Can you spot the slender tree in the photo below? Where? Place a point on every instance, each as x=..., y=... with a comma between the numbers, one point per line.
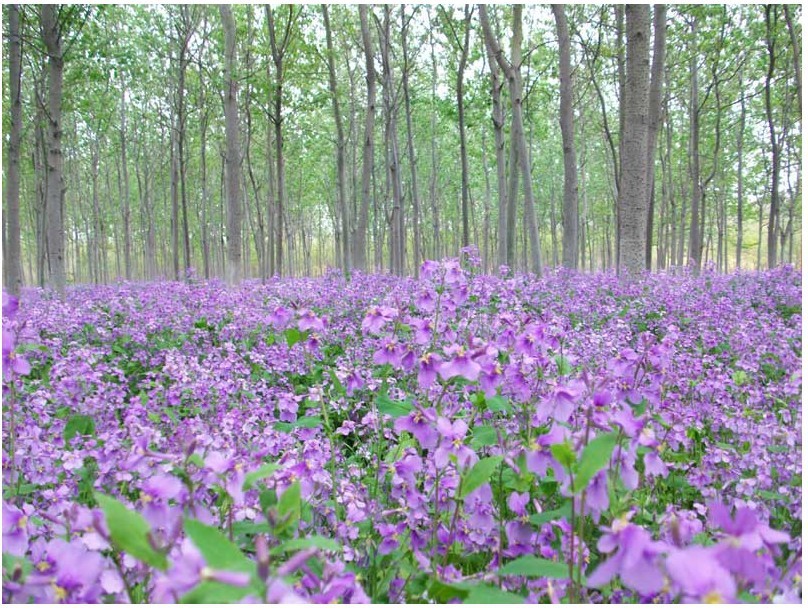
x=13, y=253
x=360, y=247
x=51, y=29
x=340, y=145
x=233, y=154
x=654, y=110
x=518, y=141
x=633, y=169
x=569, y=243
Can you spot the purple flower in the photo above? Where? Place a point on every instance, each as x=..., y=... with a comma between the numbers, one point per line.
x=389, y=353
x=309, y=321
x=10, y=305
x=428, y=365
x=15, y=529
x=280, y=317
x=698, y=576
x=377, y=317
x=460, y=365
x=491, y=378
x=452, y=437
x=634, y=560
x=421, y=425
x=558, y=406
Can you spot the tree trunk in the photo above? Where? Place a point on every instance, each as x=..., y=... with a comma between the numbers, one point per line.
x=498, y=119
x=234, y=212
x=795, y=56
x=774, y=208
x=394, y=168
x=340, y=145
x=654, y=109
x=633, y=169
x=52, y=37
x=569, y=242
x=518, y=140
x=416, y=204
x=695, y=244
x=360, y=250
x=13, y=253
x=739, y=210
x=279, y=49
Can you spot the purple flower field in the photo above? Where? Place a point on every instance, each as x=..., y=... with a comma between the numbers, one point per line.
x=577, y=438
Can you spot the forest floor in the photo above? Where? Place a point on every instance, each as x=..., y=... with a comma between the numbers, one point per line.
x=458, y=437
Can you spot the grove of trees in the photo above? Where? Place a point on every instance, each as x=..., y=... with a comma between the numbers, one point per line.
x=248, y=141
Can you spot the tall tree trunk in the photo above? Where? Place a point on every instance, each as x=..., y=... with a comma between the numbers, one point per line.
x=394, y=167
x=696, y=240
x=569, y=242
x=279, y=49
x=774, y=208
x=340, y=145
x=739, y=210
x=463, y=48
x=795, y=55
x=511, y=70
x=620, y=14
x=52, y=37
x=654, y=109
x=175, y=204
x=416, y=204
x=360, y=250
x=127, y=232
x=13, y=253
x=498, y=120
x=633, y=169
x=234, y=213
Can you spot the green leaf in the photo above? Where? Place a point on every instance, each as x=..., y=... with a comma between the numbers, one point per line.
x=564, y=454
x=218, y=551
x=263, y=472
x=594, y=458
x=297, y=544
x=79, y=425
x=211, y=592
x=498, y=403
x=129, y=531
x=534, y=567
x=294, y=336
x=302, y=422
x=549, y=515
x=564, y=366
x=740, y=378
x=478, y=474
x=484, y=436
x=488, y=594
x=289, y=505
x=393, y=408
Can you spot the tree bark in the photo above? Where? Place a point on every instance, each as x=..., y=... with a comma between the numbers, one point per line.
x=633, y=169
x=13, y=253
x=340, y=146
x=511, y=71
x=569, y=244
x=504, y=238
x=233, y=155
x=654, y=109
x=360, y=249
x=416, y=204
x=795, y=55
x=279, y=49
x=52, y=37
x=774, y=207
x=695, y=244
